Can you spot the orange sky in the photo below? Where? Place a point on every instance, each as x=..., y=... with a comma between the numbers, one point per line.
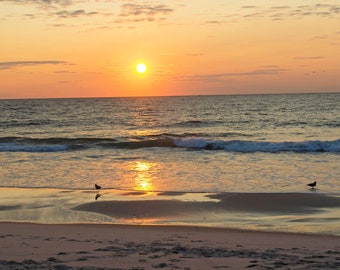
x=69, y=48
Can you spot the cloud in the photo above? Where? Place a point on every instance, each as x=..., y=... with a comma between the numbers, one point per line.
x=148, y=10
x=280, y=7
x=256, y=14
x=72, y=14
x=64, y=72
x=249, y=7
x=130, y=10
x=221, y=76
x=214, y=22
x=283, y=12
x=42, y=2
x=320, y=10
x=16, y=64
x=135, y=13
x=269, y=66
x=309, y=58
x=321, y=37
x=195, y=54
x=52, y=8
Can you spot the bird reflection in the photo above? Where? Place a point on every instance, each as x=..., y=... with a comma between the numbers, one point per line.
x=98, y=194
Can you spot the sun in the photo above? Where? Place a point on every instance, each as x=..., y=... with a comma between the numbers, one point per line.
x=141, y=68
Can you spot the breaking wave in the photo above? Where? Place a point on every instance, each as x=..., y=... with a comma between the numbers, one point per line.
x=256, y=146
x=21, y=144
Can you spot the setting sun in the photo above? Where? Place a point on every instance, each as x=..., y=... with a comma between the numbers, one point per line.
x=141, y=68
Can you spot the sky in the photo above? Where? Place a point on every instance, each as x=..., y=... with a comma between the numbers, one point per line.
x=78, y=48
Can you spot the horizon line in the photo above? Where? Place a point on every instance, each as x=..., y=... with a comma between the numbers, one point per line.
x=160, y=96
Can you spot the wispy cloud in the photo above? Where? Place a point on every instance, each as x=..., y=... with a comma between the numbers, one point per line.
x=64, y=72
x=320, y=10
x=284, y=12
x=125, y=11
x=16, y=64
x=249, y=7
x=52, y=8
x=42, y=3
x=137, y=10
x=309, y=58
x=280, y=7
x=74, y=13
x=214, y=22
x=221, y=76
x=131, y=12
x=320, y=37
x=194, y=54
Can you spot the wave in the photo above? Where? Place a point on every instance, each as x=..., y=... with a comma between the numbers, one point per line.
x=21, y=144
x=192, y=124
x=256, y=146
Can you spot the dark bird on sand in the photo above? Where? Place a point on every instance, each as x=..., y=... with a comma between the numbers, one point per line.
x=97, y=186
x=97, y=196
x=312, y=185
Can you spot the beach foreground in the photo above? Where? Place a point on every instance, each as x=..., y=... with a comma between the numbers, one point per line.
x=89, y=246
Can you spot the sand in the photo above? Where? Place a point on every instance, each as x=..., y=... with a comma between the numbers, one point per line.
x=73, y=230
x=106, y=246
x=282, y=203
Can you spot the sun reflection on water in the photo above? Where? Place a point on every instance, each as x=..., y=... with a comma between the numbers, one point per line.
x=144, y=180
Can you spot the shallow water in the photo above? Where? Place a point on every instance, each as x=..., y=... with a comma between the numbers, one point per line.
x=289, y=212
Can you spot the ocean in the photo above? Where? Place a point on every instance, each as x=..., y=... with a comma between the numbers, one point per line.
x=172, y=148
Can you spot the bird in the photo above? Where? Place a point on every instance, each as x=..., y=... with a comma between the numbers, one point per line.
x=312, y=185
x=97, y=186
x=97, y=196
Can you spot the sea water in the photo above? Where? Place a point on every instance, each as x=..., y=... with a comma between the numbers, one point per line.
x=189, y=144
x=258, y=143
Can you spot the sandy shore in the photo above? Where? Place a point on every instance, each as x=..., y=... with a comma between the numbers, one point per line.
x=85, y=246
x=282, y=203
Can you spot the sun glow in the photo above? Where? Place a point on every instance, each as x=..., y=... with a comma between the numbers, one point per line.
x=141, y=68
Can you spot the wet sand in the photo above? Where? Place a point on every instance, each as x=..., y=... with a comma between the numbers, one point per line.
x=281, y=203
x=87, y=246
x=312, y=213
x=83, y=233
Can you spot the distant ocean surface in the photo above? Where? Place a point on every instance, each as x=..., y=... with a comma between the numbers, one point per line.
x=192, y=144
x=257, y=143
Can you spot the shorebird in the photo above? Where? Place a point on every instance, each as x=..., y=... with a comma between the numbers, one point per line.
x=97, y=186
x=312, y=185
x=97, y=196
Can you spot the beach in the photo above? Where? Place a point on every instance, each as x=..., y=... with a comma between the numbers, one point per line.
x=191, y=135
x=197, y=182
x=64, y=229
x=85, y=246
x=307, y=213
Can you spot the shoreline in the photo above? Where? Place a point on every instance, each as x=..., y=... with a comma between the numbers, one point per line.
x=314, y=213
x=106, y=246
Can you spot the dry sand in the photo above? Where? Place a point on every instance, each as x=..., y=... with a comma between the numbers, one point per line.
x=87, y=246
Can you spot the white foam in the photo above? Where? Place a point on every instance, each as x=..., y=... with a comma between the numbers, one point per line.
x=256, y=146
x=13, y=147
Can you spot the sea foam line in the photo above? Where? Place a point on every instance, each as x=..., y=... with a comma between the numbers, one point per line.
x=256, y=146
x=242, y=146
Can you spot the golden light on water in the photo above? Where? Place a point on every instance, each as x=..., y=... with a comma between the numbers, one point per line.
x=144, y=180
